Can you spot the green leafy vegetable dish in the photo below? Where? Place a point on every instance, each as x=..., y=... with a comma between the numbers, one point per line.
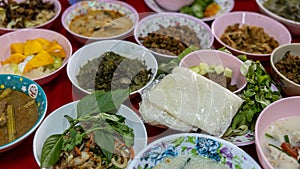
x=97, y=138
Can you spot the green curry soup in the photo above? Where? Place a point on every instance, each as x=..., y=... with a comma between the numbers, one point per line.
x=18, y=113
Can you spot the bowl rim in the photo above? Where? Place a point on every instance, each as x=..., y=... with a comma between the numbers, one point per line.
x=87, y=38
x=273, y=64
x=280, y=18
x=171, y=14
x=113, y=41
x=261, y=155
x=57, y=35
x=228, y=55
x=59, y=9
x=40, y=119
x=255, y=14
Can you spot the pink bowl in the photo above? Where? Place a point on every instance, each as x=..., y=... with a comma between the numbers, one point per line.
x=272, y=27
x=25, y=34
x=283, y=108
x=216, y=57
x=46, y=25
x=81, y=7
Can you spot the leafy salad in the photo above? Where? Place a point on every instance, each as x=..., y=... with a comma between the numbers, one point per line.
x=98, y=137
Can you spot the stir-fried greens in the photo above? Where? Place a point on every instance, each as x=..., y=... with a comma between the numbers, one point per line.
x=97, y=138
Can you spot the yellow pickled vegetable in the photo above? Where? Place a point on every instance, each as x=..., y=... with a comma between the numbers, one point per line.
x=32, y=47
x=43, y=41
x=43, y=58
x=54, y=48
x=17, y=48
x=14, y=58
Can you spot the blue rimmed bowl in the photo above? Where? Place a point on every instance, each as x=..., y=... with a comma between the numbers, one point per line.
x=193, y=144
x=32, y=89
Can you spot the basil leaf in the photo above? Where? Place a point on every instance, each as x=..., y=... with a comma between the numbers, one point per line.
x=51, y=150
x=106, y=141
x=100, y=101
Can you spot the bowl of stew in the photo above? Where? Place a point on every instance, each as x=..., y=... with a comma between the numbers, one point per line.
x=285, y=67
x=249, y=33
x=23, y=107
x=110, y=65
x=218, y=66
x=90, y=21
x=28, y=14
x=286, y=12
x=167, y=34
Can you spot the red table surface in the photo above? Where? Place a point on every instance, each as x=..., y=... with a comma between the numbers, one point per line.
x=59, y=92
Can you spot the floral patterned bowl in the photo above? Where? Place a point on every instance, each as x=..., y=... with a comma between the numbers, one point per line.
x=193, y=144
x=154, y=22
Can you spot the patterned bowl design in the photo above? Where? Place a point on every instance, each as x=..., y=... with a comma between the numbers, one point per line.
x=153, y=22
x=226, y=6
x=82, y=7
x=196, y=145
x=32, y=89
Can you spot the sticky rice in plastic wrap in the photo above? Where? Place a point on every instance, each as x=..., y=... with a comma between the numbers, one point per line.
x=184, y=100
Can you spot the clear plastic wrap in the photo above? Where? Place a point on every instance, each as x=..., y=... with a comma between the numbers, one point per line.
x=184, y=100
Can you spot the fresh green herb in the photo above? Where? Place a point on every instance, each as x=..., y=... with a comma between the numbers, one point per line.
x=286, y=139
x=257, y=95
x=95, y=113
x=269, y=135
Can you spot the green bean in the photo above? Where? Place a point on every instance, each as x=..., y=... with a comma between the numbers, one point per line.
x=11, y=123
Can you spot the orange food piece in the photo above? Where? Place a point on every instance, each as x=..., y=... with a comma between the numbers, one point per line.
x=43, y=58
x=43, y=41
x=14, y=58
x=17, y=47
x=54, y=48
x=288, y=149
x=32, y=47
x=212, y=9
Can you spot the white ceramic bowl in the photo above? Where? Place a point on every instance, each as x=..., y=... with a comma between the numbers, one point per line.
x=216, y=57
x=226, y=6
x=272, y=27
x=30, y=88
x=280, y=109
x=80, y=8
x=293, y=26
x=193, y=144
x=29, y=34
x=55, y=123
x=96, y=49
x=153, y=23
x=287, y=86
x=47, y=24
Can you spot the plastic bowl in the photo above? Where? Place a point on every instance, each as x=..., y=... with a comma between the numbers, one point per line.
x=28, y=34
